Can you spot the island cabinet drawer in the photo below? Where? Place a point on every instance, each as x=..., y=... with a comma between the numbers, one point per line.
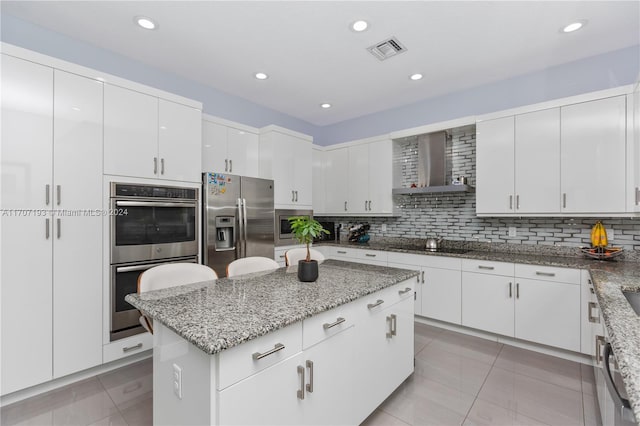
x=430, y=261
x=488, y=267
x=329, y=323
x=255, y=355
x=126, y=347
x=548, y=273
x=382, y=299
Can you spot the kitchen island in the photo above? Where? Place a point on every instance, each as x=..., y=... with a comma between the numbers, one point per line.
x=265, y=348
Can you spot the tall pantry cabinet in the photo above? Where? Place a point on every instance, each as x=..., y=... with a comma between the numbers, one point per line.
x=51, y=256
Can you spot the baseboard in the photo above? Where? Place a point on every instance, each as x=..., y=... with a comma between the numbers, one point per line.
x=71, y=378
x=549, y=350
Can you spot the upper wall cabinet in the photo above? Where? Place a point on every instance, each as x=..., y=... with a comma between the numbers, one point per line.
x=633, y=152
x=565, y=160
x=148, y=137
x=359, y=179
x=285, y=157
x=318, y=156
x=518, y=164
x=229, y=147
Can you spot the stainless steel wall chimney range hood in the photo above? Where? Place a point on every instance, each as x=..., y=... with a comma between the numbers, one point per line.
x=430, y=158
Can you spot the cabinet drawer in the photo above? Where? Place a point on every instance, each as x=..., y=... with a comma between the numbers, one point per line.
x=326, y=324
x=128, y=346
x=548, y=273
x=382, y=299
x=373, y=255
x=431, y=261
x=488, y=267
x=242, y=361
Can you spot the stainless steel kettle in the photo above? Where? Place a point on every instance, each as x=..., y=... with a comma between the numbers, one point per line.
x=433, y=243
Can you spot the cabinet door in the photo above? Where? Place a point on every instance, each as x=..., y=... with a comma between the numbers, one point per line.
x=330, y=400
x=26, y=298
x=495, y=166
x=633, y=145
x=282, y=168
x=337, y=181
x=593, y=142
x=214, y=147
x=130, y=133
x=418, y=288
x=318, y=176
x=537, y=162
x=77, y=274
x=243, y=152
x=442, y=295
x=179, y=141
x=487, y=302
x=381, y=176
x=271, y=394
x=302, y=173
x=548, y=312
x=358, y=178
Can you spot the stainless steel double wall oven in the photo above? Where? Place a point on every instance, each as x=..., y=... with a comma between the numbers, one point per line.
x=152, y=225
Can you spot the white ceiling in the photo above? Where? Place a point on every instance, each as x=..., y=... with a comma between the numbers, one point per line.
x=312, y=56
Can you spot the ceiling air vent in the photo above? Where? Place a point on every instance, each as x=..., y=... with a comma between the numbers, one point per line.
x=387, y=48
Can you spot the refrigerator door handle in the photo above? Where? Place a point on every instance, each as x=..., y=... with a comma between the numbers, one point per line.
x=244, y=226
x=240, y=237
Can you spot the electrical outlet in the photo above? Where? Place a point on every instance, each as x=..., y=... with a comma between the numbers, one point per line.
x=512, y=231
x=383, y=227
x=177, y=381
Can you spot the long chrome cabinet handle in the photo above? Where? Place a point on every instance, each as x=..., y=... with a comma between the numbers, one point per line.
x=510, y=290
x=341, y=252
x=293, y=196
x=296, y=196
x=345, y=206
x=276, y=348
x=373, y=305
x=637, y=196
x=510, y=202
x=162, y=166
x=369, y=205
x=594, y=319
x=46, y=229
x=338, y=321
x=365, y=206
x=490, y=268
x=599, y=344
x=422, y=277
x=132, y=348
x=58, y=231
x=300, y=392
x=47, y=187
x=517, y=202
x=392, y=325
x=58, y=193
x=230, y=166
x=155, y=165
x=310, y=384
x=406, y=290
x=564, y=200
x=226, y=165
x=370, y=255
x=517, y=290
x=545, y=274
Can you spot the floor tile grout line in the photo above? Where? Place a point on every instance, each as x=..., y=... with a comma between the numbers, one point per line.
x=483, y=382
x=111, y=398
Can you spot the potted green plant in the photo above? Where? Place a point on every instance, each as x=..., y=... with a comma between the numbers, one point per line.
x=304, y=229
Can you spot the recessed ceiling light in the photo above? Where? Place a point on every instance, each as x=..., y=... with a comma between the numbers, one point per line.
x=416, y=76
x=325, y=105
x=359, y=26
x=146, y=23
x=574, y=26
x=261, y=76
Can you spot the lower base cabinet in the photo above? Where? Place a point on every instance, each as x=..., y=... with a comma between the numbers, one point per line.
x=487, y=302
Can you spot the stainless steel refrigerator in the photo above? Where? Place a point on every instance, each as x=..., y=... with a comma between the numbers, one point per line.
x=237, y=217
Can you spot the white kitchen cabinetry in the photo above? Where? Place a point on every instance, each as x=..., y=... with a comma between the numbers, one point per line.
x=590, y=325
x=359, y=179
x=438, y=287
x=285, y=157
x=337, y=181
x=58, y=330
x=319, y=180
x=148, y=137
x=633, y=150
x=593, y=146
x=229, y=147
x=371, y=257
x=518, y=163
x=487, y=296
x=494, y=165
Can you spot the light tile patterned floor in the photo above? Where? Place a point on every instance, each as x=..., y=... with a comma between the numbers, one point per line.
x=458, y=379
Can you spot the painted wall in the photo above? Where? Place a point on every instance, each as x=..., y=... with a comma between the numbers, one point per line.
x=600, y=72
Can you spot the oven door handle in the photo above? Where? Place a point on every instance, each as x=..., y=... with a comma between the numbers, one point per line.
x=622, y=403
x=122, y=203
x=135, y=268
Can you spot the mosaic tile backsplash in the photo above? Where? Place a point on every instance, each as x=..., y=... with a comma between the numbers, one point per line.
x=452, y=215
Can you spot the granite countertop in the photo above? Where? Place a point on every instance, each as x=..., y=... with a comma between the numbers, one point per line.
x=608, y=277
x=217, y=315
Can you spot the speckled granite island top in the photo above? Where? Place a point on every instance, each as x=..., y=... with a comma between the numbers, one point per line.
x=218, y=315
